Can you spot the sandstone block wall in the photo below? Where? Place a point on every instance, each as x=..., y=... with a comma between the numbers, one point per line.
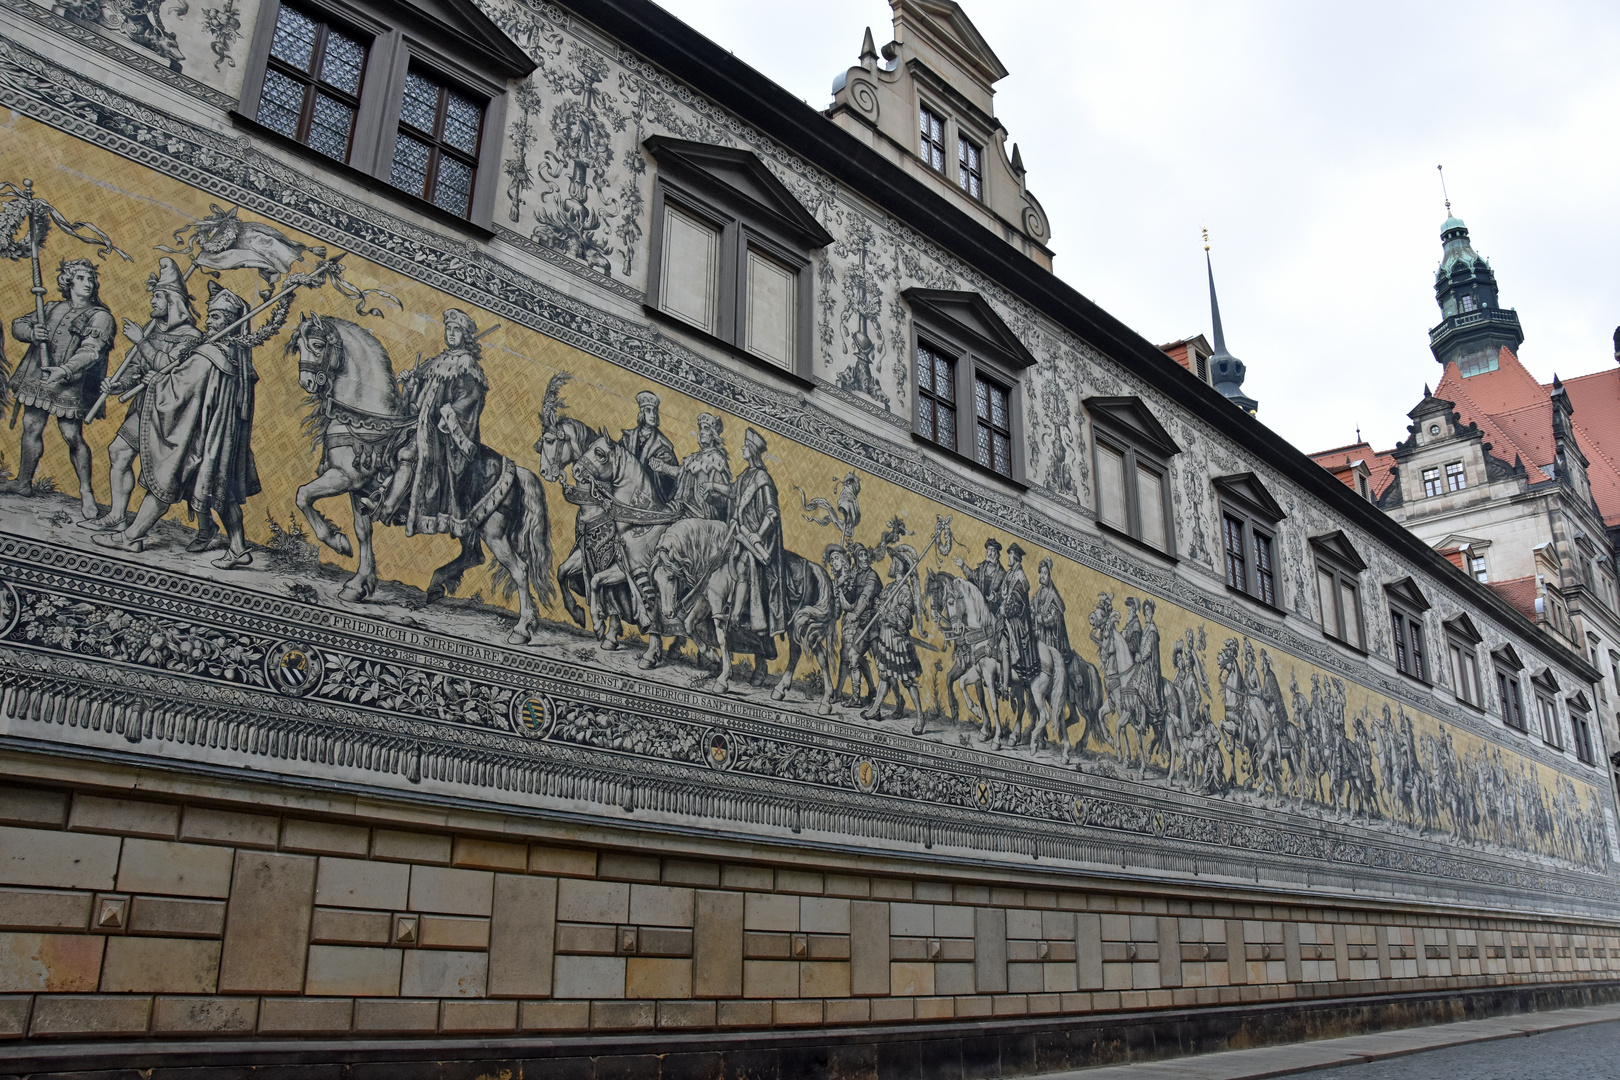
x=126, y=916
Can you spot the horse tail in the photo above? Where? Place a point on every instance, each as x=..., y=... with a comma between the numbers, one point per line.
x=533, y=540
x=812, y=624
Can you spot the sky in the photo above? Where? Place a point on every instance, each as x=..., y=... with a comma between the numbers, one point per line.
x=1305, y=137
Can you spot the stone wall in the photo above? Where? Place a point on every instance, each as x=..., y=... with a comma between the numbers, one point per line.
x=277, y=916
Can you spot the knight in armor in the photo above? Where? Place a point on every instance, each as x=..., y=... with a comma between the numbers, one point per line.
x=1016, y=627
x=704, y=484
x=986, y=577
x=196, y=432
x=435, y=482
x=858, y=590
x=61, y=373
x=168, y=337
x=653, y=449
x=897, y=663
x=759, y=600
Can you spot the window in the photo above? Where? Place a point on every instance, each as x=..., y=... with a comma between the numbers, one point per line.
x=1361, y=487
x=1456, y=480
x=1507, y=688
x=1133, y=452
x=1546, y=694
x=931, y=138
x=1338, y=588
x=1466, y=303
x=992, y=426
x=730, y=252
x=436, y=151
x=1462, y=643
x=1249, y=518
x=312, y=78
x=1408, y=638
x=969, y=171
x=968, y=389
x=936, y=397
x=1431, y=481
x=1476, y=566
x=1580, y=728
x=405, y=94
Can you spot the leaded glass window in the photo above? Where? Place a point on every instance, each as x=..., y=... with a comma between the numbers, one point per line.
x=992, y=426
x=1265, y=578
x=931, y=139
x=312, y=83
x=1237, y=574
x=436, y=153
x=1431, y=481
x=969, y=172
x=1456, y=479
x=936, y=397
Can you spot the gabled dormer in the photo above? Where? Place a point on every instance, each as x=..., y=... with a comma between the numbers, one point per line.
x=1441, y=457
x=928, y=103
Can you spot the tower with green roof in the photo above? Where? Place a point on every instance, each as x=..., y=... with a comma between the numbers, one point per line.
x=1474, y=327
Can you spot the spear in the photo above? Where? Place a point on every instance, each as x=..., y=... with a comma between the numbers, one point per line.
x=38, y=289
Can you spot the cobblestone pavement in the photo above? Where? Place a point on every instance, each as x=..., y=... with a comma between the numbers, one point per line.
x=1591, y=1052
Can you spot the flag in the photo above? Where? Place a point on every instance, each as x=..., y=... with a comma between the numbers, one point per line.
x=223, y=241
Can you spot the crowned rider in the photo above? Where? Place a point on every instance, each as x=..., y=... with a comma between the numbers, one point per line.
x=652, y=448
x=168, y=336
x=704, y=483
x=434, y=483
x=759, y=601
x=61, y=373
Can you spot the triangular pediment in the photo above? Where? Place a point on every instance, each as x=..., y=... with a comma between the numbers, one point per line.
x=1546, y=680
x=1128, y=415
x=1508, y=657
x=729, y=174
x=1407, y=592
x=1465, y=629
x=1579, y=702
x=948, y=27
x=1456, y=541
x=1335, y=545
x=969, y=314
x=1246, y=490
x=460, y=26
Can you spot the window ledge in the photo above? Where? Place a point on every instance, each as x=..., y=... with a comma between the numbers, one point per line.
x=1425, y=683
x=1335, y=639
x=955, y=455
x=1140, y=545
x=1270, y=609
x=730, y=348
x=360, y=176
x=1470, y=705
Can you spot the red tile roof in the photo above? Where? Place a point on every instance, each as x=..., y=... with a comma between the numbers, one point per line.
x=1340, y=458
x=1520, y=592
x=1596, y=399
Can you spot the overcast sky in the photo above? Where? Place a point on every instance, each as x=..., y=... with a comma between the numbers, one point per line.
x=1305, y=136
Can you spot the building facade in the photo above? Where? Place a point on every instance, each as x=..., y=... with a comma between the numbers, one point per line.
x=521, y=532
x=1514, y=481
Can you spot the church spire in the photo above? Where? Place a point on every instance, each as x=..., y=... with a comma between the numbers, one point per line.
x=1227, y=370
x=1474, y=328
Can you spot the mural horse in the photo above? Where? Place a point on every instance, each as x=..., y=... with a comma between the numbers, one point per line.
x=360, y=419
x=970, y=626
x=563, y=440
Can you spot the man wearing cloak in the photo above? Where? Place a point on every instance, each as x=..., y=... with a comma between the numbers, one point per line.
x=196, y=432
x=704, y=483
x=438, y=465
x=61, y=373
x=653, y=448
x=1017, y=638
x=759, y=601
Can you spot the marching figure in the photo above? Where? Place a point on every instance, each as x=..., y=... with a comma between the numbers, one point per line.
x=196, y=427
x=858, y=590
x=437, y=462
x=760, y=602
x=897, y=663
x=704, y=484
x=169, y=335
x=61, y=374
x=653, y=448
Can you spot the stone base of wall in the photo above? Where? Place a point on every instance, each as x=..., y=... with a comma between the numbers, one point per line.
x=948, y=1051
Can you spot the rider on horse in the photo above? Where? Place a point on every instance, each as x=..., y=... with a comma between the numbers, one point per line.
x=436, y=465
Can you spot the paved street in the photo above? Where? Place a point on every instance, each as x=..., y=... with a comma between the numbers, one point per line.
x=1567, y=1044
x=1581, y=1053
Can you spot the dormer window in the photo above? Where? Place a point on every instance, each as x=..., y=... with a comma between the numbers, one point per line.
x=969, y=172
x=1431, y=481
x=931, y=138
x=1456, y=479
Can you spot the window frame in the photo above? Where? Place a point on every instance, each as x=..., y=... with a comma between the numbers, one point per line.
x=437, y=145
x=963, y=327
x=734, y=193
x=963, y=171
x=1243, y=501
x=1456, y=475
x=1510, y=677
x=479, y=65
x=1411, y=645
x=1126, y=426
x=1462, y=644
x=1580, y=728
x=945, y=130
x=1546, y=691
x=1335, y=556
x=312, y=82
x=1433, y=483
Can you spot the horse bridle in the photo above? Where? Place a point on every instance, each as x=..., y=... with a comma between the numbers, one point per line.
x=320, y=370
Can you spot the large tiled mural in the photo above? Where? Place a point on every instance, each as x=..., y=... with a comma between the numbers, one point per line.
x=298, y=487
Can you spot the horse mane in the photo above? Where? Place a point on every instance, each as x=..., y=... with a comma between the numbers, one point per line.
x=553, y=402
